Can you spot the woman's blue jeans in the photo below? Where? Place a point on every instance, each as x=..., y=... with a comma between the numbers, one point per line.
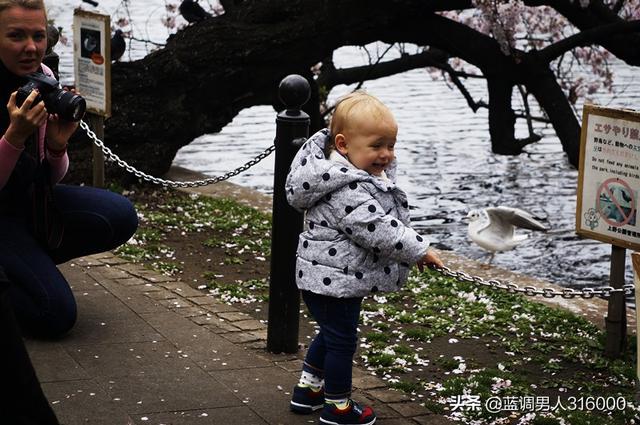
x=331, y=352
x=95, y=220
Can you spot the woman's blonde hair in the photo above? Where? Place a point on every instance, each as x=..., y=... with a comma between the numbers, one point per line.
x=27, y=4
x=353, y=105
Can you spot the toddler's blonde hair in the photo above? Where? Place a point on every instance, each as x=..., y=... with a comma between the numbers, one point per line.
x=356, y=104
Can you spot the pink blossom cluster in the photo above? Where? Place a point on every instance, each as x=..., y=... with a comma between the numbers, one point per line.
x=515, y=26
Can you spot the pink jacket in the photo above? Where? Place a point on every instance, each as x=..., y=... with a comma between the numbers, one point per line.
x=9, y=154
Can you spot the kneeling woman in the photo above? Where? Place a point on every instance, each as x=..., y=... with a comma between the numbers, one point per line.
x=33, y=159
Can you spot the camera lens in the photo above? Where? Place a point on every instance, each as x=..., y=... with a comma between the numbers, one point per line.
x=67, y=105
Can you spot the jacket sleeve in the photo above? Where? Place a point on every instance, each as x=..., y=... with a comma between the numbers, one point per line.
x=365, y=222
x=59, y=167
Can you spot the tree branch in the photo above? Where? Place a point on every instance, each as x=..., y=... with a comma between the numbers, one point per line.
x=588, y=37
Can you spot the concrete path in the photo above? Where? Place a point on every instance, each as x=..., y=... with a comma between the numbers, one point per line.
x=151, y=350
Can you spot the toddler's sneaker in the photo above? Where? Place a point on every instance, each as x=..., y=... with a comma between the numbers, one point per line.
x=353, y=414
x=305, y=400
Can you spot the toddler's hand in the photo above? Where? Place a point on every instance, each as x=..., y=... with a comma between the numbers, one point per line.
x=430, y=259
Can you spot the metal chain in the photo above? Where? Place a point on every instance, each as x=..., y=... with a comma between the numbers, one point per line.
x=604, y=291
x=110, y=156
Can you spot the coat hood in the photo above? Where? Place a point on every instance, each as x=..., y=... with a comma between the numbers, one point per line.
x=313, y=176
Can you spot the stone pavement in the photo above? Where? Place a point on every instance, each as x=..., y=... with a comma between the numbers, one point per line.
x=148, y=349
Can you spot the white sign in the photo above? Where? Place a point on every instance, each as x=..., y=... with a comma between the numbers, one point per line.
x=609, y=179
x=92, y=60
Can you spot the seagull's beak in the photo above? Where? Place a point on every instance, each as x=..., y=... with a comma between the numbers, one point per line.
x=465, y=219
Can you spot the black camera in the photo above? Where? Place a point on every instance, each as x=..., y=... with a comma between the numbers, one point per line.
x=67, y=105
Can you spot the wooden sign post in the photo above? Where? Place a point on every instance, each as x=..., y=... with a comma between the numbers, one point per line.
x=92, y=62
x=607, y=204
x=635, y=259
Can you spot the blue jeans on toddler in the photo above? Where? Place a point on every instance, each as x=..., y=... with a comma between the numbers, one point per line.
x=330, y=355
x=95, y=220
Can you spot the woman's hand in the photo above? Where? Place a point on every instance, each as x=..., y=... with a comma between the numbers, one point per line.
x=430, y=259
x=24, y=120
x=59, y=131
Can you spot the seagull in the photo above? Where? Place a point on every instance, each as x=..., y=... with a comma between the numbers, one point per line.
x=493, y=228
x=192, y=11
x=118, y=45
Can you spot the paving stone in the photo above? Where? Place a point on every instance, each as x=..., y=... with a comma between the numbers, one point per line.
x=209, y=350
x=191, y=311
x=248, y=325
x=177, y=304
x=240, y=337
x=291, y=365
x=105, y=272
x=220, y=327
x=149, y=275
x=52, y=362
x=218, y=307
x=162, y=294
x=135, y=300
x=366, y=381
x=260, y=333
x=256, y=345
x=234, y=316
x=432, y=420
x=394, y=421
x=171, y=390
x=132, y=281
x=112, y=260
x=229, y=415
x=149, y=287
x=266, y=391
x=409, y=409
x=182, y=289
x=93, y=330
x=83, y=402
x=101, y=305
x=206, y=300
x=208, y=319
x=135, y=359
x=387, y=395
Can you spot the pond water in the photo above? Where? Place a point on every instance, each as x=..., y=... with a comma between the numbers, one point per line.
x=444, y=157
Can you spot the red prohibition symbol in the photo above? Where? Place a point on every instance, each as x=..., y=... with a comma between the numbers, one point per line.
x=612, y=194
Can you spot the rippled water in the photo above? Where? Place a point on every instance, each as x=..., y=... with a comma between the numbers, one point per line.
x=445, y=162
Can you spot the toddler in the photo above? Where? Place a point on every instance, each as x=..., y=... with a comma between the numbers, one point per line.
x=357, y=241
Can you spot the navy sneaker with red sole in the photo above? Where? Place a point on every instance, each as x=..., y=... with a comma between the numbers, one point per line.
x=305, y=400
x=353, y=414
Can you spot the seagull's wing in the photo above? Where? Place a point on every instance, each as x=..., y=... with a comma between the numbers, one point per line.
x=516, y=217
x=499, y=227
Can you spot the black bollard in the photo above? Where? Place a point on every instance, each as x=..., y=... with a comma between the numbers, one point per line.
x=292, y=128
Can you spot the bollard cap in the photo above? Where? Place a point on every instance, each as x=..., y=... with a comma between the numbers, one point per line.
x=294, y=91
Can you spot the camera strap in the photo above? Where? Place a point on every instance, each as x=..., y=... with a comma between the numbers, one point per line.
x=46, y=219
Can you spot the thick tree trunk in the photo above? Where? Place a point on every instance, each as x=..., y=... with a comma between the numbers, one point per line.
x=541, y=82
x=501, y=117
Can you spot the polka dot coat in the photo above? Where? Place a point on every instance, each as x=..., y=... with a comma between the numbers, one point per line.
x=357, y=239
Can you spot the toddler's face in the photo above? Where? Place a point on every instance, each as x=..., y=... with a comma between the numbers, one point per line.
x=369, y=143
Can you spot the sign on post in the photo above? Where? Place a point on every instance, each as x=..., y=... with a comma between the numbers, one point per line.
x=92, y=60
x=92, y=69
x=609, y=177
x=607, y=205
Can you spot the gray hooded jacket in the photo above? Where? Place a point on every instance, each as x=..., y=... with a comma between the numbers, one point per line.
x=357, y=238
